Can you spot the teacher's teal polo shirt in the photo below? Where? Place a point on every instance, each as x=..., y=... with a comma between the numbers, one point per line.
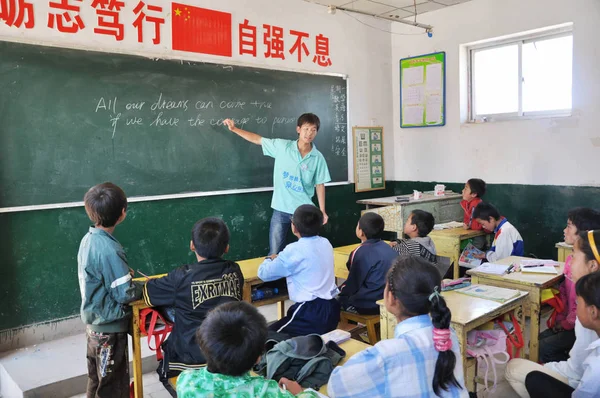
x=294, y=177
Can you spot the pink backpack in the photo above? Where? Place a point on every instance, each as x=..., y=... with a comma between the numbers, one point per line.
x=489, y=347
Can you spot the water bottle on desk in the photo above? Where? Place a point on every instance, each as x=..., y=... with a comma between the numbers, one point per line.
x=264, y=293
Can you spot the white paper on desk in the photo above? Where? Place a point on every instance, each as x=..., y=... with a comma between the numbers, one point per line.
x=491, y=268
x=433, y=112
x=412, y=115
x=434, y=77
x=525, y=263
x=539, y=270
x=412, y=76
x=448, y=225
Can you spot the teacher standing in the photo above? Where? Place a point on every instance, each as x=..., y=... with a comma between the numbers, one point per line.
x=299, y=169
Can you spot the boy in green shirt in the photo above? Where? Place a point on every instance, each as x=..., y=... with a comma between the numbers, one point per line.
x=232, y=338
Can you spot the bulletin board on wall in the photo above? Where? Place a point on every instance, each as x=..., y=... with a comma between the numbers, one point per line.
x=369, y=173
x=423, y=91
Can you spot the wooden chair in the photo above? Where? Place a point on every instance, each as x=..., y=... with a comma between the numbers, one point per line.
x=370, y=321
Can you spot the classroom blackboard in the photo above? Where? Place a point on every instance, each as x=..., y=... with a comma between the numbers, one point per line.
x=70, y=119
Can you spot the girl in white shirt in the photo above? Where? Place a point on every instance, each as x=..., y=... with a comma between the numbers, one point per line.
x=588, y=312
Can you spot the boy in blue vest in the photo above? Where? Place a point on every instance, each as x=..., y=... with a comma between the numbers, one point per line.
x=368, y=265
x=106, y=289
x=307, y=266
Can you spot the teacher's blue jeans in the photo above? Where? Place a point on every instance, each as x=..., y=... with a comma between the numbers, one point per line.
x=280, y=225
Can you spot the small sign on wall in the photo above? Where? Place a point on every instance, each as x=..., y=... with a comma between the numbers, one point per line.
x=368, y=158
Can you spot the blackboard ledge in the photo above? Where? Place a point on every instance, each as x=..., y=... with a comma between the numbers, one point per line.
x=134, y=199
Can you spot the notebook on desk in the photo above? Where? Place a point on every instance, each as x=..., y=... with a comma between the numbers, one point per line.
x=491, y=268
x=539, y=270
x=494, y=293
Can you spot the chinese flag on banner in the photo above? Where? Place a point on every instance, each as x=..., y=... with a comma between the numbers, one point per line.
x=201, y=30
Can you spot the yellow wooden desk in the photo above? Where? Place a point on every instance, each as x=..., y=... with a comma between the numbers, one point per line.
x=350, y=346
x=447, y=243
x=564, y=250
x=468, y=313
x=532, y=283
x=249, y=269
x=340, y=258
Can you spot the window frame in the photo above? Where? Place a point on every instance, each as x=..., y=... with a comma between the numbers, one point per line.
x=519, y=41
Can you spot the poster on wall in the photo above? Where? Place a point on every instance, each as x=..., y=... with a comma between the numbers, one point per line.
x=423, y=91
x=368, y=159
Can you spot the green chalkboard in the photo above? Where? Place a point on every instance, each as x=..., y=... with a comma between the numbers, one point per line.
x=70, y=119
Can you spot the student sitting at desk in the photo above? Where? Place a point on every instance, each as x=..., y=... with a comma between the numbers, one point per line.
x=586, y=260
x=232, y=337
x=556, y=342
x=507, y=240
x=418, y=225
x=194, y=290
x=368, y=265
x=542, y=385
x=471, y=194
x=307, y=266
x=422, y=360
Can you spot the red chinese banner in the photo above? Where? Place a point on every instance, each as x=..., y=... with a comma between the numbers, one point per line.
x=201, y=30
x=13, y=13
x=67, y=19
x=108, y=18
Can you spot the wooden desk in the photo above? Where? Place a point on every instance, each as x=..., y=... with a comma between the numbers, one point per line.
x=350, y=346
x=249, y=269
x=532, y=283
x=447, y=243
x=564, y=251
x=468, y=313
x=444, y=209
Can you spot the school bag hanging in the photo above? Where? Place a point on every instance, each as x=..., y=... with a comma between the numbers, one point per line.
x=488, y=347
x=155, y=325
x=552, y=298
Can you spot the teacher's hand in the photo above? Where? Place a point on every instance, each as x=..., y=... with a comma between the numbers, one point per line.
x=229, y=123
x=325, y=217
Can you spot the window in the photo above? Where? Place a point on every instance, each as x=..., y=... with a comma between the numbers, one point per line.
x=529, y=76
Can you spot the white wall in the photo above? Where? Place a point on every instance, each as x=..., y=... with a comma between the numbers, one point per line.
x=360, y=52
x=561, y=151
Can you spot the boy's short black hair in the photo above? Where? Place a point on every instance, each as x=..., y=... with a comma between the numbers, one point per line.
x=210, y=237
x=484, y=211
x=372, y=225
x=477, y=186
x=104, y=204
x=588, y=288
x=308, y=220
x=309, y=118
x=423, y=220
x=232, y=337
x=584, y=218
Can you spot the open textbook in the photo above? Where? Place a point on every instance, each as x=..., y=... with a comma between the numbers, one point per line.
x=467, y=259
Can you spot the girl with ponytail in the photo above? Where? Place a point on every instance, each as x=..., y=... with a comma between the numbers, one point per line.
x=423, y=358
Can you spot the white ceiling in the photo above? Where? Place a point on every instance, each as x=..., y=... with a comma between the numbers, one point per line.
x=391, y=8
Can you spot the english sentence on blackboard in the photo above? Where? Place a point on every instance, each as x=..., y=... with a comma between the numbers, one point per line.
x=163, y=104
x=163, y=118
